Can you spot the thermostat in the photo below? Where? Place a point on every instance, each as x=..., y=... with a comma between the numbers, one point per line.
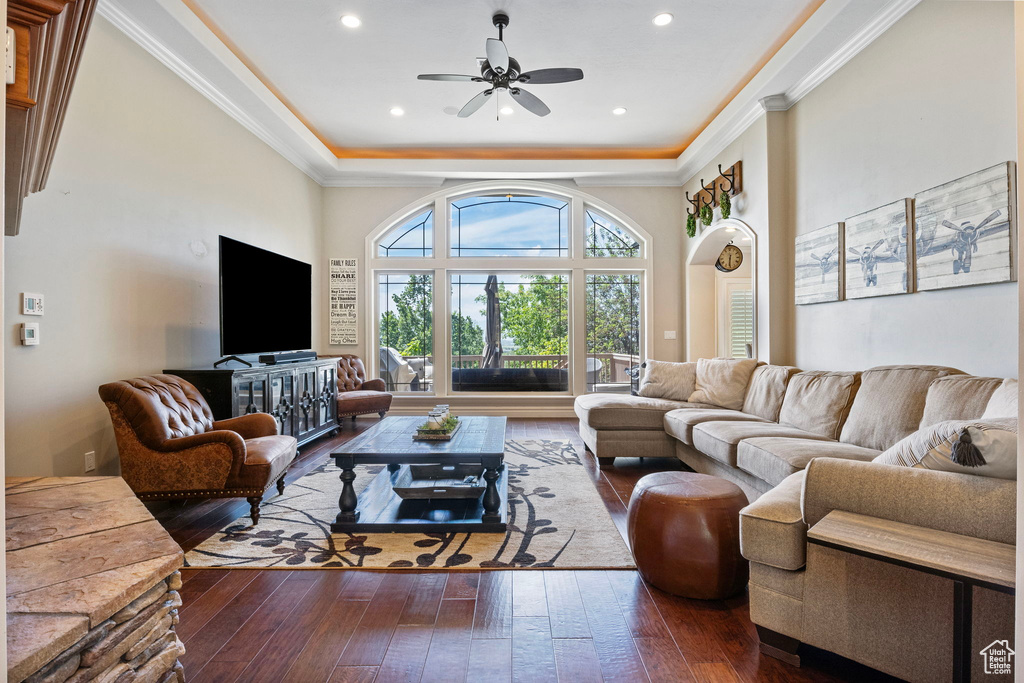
x=31, y=304
x=30, y=334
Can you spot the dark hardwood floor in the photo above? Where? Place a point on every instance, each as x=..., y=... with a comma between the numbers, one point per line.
x=359, y=625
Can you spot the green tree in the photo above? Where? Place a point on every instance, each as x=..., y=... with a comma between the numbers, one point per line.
x=535, y=315
x=613, y=317
x=467, y=336
x=410, y=328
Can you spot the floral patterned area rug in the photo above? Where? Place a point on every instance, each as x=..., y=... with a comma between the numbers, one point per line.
x=556, y=520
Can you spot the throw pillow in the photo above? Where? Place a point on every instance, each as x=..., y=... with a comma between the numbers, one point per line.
x=723, y=382
x=662, y=379
x=987, y=448
x=1003, y=403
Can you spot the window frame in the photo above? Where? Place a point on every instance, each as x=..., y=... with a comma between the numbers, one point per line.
x=442, y=265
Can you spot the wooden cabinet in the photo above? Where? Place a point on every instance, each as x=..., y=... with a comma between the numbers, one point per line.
x=302, y=397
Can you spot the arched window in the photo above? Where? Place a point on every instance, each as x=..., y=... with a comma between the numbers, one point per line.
x=504, y=277
x=414, y=237
x=607, y=239
x=509, y=225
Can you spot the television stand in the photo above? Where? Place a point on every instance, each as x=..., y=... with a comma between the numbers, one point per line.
x=302, y=397
x=228, y=359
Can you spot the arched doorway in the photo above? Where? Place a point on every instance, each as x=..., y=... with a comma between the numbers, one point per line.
x=721, y=308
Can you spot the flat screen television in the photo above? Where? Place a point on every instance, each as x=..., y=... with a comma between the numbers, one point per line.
x=265, y=301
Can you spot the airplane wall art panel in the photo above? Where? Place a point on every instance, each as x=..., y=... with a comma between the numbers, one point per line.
x=965, y=230
x=878, y=260
x=819, y=265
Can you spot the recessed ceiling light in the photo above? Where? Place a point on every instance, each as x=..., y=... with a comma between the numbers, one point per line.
x=619, y=111
x=730, y=229
x=353, y=21
x=507, y=111
x=663, y=19
x=397, y=111
x=746, y=239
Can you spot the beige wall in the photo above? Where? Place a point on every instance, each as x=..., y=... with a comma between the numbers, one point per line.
x=146, y=170
x=350, y=214
x=931, y=100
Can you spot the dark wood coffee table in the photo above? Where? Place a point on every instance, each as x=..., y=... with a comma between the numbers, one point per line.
x=479, y=440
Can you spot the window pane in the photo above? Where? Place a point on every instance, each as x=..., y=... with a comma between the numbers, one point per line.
x=510, y=332
x=613, y=332
x=607, y=239
x=510, y=225
x=406, y=331
x=415, y=237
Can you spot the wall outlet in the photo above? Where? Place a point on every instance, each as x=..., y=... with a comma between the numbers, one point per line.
x=670, y=334
x=90, y=461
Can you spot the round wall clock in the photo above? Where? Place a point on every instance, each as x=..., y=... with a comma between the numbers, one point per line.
x=730, y=259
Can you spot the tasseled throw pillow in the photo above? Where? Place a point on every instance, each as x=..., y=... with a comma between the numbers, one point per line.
x=986, y=448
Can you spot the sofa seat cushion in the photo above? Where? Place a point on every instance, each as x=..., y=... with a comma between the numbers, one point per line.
x=772, y=459
x=618, y=411
x=266, y=459
x=719, y=440
x=680, y=423
x=361, y=402
x=772, y=529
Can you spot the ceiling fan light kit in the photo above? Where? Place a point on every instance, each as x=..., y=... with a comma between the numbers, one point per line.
x=501, y=72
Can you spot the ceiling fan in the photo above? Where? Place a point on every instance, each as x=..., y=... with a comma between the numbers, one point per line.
x=502, y=72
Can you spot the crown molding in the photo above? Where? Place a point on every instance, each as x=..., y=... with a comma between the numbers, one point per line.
x=794, y=71
x=870, y=32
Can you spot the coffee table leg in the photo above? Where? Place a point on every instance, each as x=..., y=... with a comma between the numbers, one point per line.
x=348, y=500
x=492, y=501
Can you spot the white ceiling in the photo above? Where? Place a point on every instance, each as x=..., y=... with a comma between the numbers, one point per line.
x=176, y=36
x=343, y=82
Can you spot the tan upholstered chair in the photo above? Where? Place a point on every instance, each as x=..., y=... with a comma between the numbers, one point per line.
x=356, y=394
x=172, y=448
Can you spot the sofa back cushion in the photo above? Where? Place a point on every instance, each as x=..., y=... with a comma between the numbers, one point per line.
x=767, y=390
x=818, y=401
x=957, y=397
x=723, y=381
x=672, y=381
x=890, y=404
x=1003, y=402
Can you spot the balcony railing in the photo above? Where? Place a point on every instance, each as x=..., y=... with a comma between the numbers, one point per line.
x=612, y=367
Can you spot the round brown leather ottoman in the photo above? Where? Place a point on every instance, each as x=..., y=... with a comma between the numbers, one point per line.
x=684, y=530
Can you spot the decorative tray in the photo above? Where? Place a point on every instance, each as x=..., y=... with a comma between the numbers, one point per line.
x=421, y=482
x=438, y=434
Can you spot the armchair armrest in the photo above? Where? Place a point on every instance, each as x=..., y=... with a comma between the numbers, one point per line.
x=249, y=426
x=374, y=385
x=980, y=507
x=229, y=438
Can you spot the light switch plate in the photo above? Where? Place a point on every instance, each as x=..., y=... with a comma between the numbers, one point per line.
x=670, y=334
x=31, y=304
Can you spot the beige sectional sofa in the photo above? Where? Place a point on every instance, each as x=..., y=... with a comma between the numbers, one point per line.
x=802, y=446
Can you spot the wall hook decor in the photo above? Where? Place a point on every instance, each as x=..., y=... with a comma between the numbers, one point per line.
x=729, y=175
x=695, y=203
x=711, y=190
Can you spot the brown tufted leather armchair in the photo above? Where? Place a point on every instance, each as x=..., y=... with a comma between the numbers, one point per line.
x=171, y=447
x=356, y=394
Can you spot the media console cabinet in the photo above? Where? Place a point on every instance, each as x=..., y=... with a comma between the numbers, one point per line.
x=302, y=396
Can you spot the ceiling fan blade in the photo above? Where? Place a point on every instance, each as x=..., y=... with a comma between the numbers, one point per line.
x=497, y=55
x=475, y=104
x=529, y=101
x=448, y=77
x=544, y=76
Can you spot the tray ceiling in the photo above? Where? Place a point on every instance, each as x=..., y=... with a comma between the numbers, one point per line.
x=342, y=82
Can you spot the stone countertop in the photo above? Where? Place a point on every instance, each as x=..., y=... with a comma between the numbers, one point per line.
x=78, y=550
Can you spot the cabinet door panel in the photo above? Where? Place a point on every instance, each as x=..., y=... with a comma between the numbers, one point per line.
x=250, y=394
x=282, y=400
x=305, y=400
x=327, y=405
